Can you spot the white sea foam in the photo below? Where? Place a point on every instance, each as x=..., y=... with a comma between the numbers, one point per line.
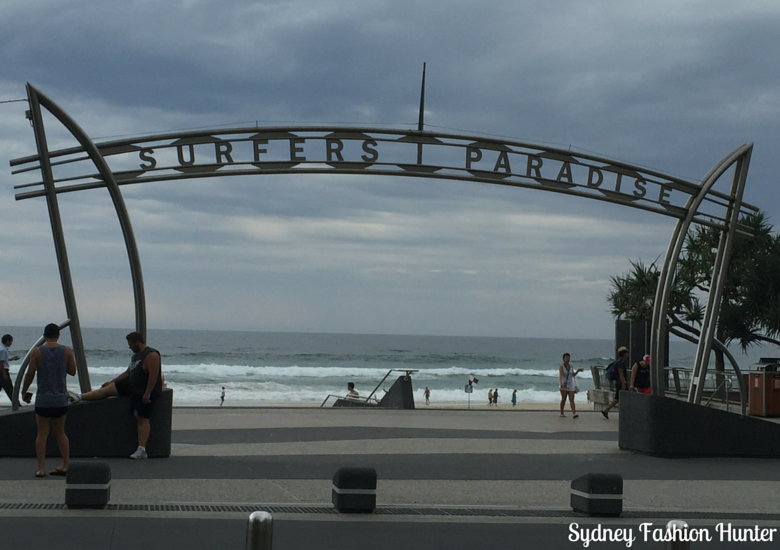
x=217, y=371
x=201, y=384
x=269, y=393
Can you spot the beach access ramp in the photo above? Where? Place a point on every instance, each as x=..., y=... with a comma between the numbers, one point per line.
x=399, y=396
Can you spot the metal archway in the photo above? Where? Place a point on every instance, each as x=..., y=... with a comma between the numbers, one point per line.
x=388, y=152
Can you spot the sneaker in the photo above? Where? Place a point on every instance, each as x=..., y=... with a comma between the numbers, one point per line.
x=139, y=454
x=605, y=414
x=73, y=397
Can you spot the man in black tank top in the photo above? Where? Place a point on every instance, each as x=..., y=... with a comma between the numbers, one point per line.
x=640, y=376
x=142, y=382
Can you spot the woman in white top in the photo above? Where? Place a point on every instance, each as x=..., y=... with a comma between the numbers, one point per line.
x=566, y=374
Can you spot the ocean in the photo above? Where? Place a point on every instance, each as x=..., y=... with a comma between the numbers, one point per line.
x=280, y=368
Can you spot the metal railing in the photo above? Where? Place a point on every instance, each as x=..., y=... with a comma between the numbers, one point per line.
x=371, y=397
x=366, y=400
x=721, y=386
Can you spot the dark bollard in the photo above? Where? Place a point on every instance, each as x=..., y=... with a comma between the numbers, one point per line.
x=88, y=484
x=598, y=494
x=354, y=490
x=260, y=531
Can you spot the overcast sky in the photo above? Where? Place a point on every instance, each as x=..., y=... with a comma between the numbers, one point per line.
x=672, y=85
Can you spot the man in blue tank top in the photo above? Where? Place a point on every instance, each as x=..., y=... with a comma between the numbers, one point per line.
x=142, y=382
x=51, y=362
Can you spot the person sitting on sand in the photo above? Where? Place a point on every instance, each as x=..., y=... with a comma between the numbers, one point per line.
x=352, y=393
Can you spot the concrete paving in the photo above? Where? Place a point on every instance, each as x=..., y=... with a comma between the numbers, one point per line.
x=447, y=479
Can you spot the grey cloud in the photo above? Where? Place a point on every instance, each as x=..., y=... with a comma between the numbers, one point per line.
x=664, y=85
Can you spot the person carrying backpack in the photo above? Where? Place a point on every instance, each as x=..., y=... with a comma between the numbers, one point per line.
x=617, y=373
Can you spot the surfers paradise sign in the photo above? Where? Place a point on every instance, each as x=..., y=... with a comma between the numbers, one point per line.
x=256, y=151
x=371, y=149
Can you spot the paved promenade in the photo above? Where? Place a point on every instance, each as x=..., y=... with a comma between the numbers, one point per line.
x=447, y=479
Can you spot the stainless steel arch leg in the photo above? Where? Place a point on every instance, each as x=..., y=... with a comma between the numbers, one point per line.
x=59, y=242
x=116, y=197
x=719, y=276
x=741, y=156
x=661, y=307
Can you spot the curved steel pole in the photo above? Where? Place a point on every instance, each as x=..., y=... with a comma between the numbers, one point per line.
x=666, y=279
x=658, y=327
x=740, y=383
x=59, y=241
x=116, y=196
x=719, y=276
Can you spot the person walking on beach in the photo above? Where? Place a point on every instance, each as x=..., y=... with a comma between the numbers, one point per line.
x=51, y=362
x=514, y=398
x=640, y=376
x=622, y=381
x=495, y=397
x=566, y=374
x=427, y=395
x=5, y=367
x=351, y=391
x=142, y=382
x=490, y=398
x=222, y=397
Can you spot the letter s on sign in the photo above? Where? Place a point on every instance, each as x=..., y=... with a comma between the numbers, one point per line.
x=639, y=187
x=369, y=147
x=146, y=155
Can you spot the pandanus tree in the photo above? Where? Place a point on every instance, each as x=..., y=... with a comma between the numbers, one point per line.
x=750, y=307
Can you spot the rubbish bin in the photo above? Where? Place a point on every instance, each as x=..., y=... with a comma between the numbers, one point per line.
x=764, y=387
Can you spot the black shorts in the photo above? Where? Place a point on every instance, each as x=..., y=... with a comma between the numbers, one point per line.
x=51, y=412
x=144, y=410
x=123, y=387
x=618, y=388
